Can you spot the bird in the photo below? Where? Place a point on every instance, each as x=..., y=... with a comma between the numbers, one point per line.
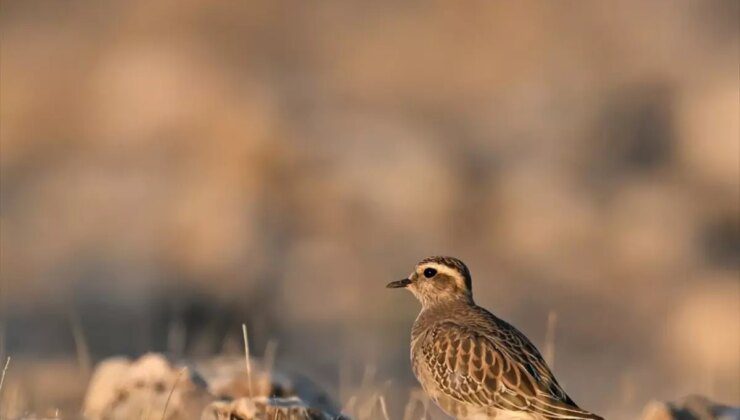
x=472, y=364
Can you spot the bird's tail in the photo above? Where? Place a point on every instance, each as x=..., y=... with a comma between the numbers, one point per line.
x=574, y=415
x=567, y=411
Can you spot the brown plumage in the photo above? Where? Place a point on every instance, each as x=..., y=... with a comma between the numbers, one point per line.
x=471, y=363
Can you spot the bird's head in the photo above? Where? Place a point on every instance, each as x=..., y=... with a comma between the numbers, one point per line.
x=437, y=280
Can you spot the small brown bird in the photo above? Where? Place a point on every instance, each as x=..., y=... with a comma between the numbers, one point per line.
x=471, y=363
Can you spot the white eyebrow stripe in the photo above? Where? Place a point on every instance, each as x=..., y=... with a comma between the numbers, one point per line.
x=441, y=268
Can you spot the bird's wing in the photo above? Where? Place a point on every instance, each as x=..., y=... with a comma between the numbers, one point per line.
x=502, y=370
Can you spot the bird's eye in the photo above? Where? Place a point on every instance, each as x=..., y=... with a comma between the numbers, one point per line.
x=430, y=272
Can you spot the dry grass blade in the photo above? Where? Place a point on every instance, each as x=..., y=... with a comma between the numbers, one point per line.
x=246, y=358
x=368, y=376
x=383, y=408
x=350, y=405
x=425, y=403
x=408, y=410
x=2, y=377
x=176, y=338
x=172, y=391
x=549, y=353
x=269, y=357
x=628, y=389
x=344, y=379
x=81, y=348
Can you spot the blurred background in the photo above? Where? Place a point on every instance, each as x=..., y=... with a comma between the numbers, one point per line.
x=172, y=169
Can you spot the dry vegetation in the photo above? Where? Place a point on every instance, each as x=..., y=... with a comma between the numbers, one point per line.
x=171, y=169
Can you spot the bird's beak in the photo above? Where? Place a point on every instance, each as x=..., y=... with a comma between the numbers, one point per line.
x=398, y=284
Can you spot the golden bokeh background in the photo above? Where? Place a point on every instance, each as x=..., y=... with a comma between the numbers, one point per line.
x=188, y=165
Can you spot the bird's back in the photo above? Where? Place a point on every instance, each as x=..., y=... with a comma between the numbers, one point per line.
x=475, y=364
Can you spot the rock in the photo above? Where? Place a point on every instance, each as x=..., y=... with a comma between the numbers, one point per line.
x=149, y=387
x=103, y=386
x=694, y=407
x=152, y=387
x=260, y=408
x=227, y=380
